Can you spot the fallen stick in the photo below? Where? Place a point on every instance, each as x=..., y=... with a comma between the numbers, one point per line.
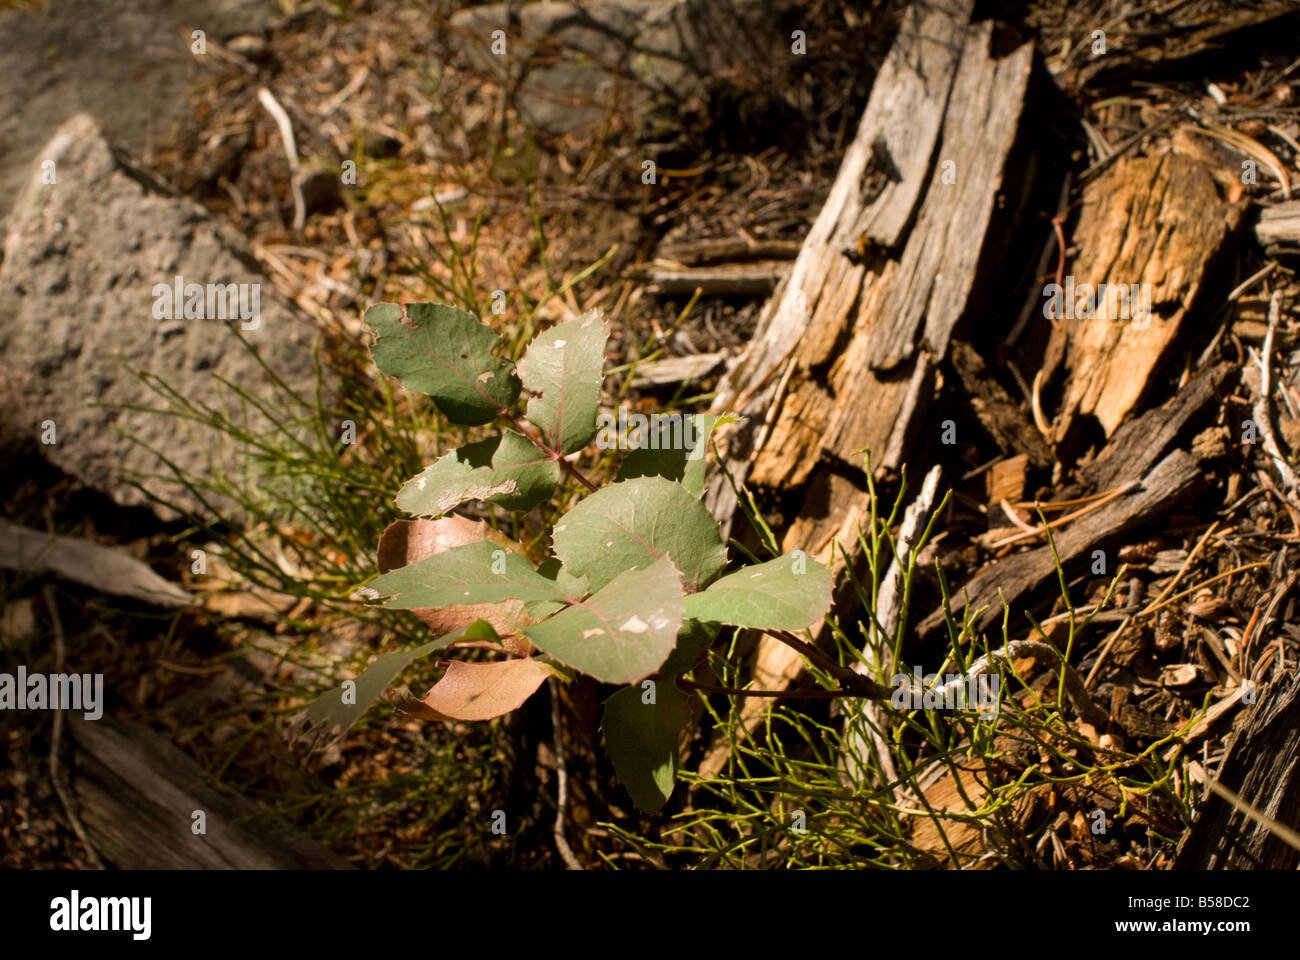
x=104, y=568
x=286, y=134
x=877, y=652
x=1012, y=578
x=1074, y=688
x=1060, y=521
x=1263, y=410
x=56, y=739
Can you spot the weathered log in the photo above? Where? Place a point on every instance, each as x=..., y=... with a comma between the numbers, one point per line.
x=836, y=384
x=1262, y=768
x=137, y=795
x=902, y=229
x=831, y=292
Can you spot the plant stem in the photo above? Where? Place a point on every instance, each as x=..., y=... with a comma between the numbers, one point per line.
x=573, y=471
x=540, y=443
x=738, y=692
x=863, y=689
x=854, y=683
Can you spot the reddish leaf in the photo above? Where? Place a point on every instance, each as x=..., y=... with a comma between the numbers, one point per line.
x=481, y=691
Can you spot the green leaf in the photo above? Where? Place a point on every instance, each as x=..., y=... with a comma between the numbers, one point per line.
x=474, y=573
x=692, y=640
x=446, y=353
x=634, y=523
x=573, y=588
x=675, y=450
x=788, y=593
x=335, y=712
x=506, y=469
x=622, y=632
x=562, y=369
x=641, y=739
x=410, y=541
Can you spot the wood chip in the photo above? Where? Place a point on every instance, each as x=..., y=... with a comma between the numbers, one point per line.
x=1112, y=357
x=671, y=370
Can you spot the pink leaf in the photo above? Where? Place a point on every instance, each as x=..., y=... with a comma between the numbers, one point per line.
x=481, y=691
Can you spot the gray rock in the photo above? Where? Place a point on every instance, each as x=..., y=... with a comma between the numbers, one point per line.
x=89, y=263
x=579, y=61
x=126, y=62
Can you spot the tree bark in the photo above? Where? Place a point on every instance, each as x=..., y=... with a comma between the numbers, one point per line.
x=1263, y=768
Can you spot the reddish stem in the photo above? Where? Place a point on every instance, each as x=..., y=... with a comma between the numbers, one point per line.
x=738, y=692
x=540, y=443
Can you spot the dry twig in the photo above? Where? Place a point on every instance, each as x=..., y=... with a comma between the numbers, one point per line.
x=562, y=779
x=1263, y=410
x=56, y=738
x=290, y=148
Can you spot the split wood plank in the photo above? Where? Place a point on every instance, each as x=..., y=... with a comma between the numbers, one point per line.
x=938, y=268
x=1140, y=442
x=1172, y=480
x=868, y=737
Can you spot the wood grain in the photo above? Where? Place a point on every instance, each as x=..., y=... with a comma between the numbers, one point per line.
x=137, y=794
x=1154, y=221
x=1263, y=768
